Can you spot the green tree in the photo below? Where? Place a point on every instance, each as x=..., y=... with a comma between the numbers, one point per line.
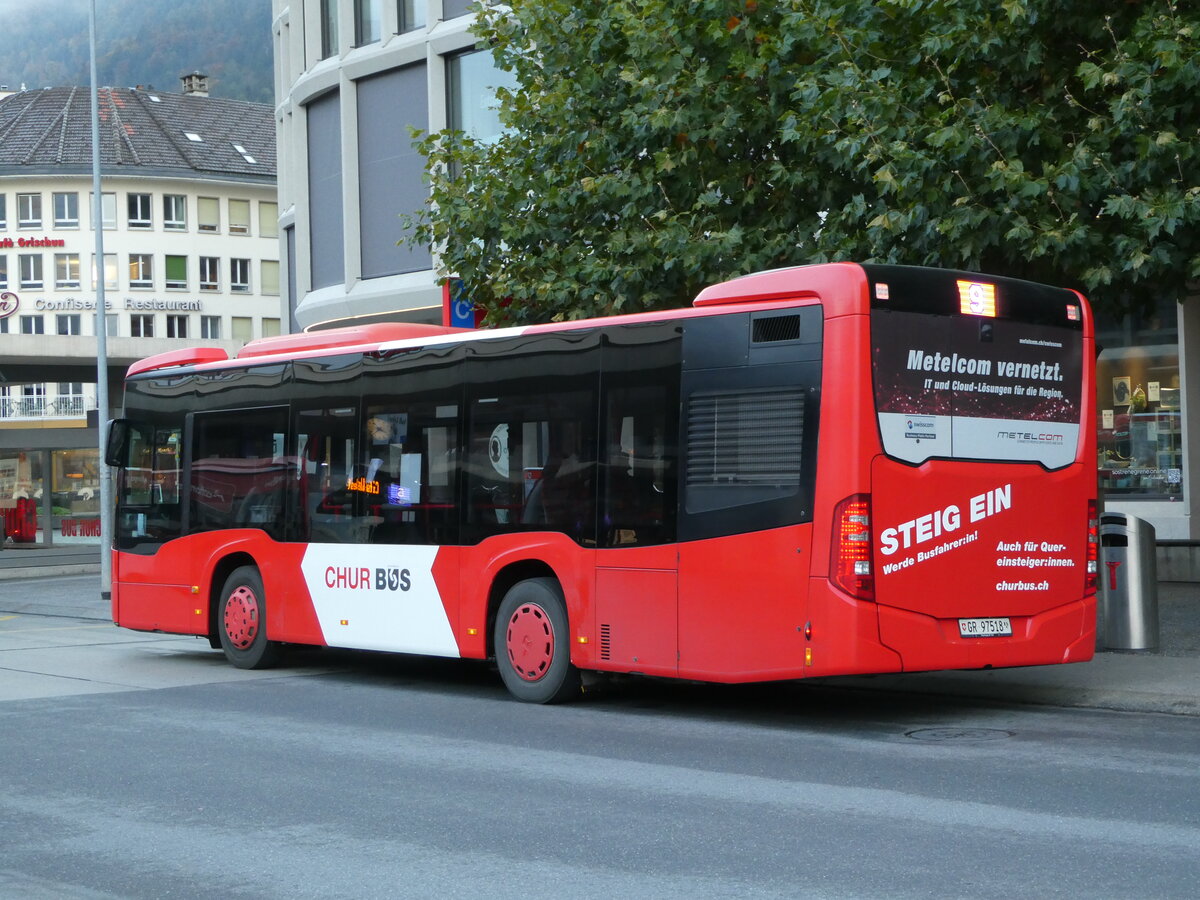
x=655, y=147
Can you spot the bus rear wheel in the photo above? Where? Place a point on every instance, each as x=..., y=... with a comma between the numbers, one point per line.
x=532, y=640
x=242, y=621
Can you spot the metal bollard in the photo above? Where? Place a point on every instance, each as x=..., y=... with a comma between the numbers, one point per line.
x=1128, y=614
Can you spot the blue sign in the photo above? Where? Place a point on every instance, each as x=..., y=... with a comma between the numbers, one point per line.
x=462, y=310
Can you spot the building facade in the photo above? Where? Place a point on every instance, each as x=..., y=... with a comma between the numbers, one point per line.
x=190, y=256
x=353, y=76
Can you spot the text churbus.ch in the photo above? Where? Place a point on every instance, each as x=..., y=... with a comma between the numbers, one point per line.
x=813, y=471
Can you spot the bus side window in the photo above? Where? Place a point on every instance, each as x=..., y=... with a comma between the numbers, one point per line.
x=531, y=463
x=335, y=487
x=409, y=466
x=639, y=469
x=148, y=486
x=240, y=475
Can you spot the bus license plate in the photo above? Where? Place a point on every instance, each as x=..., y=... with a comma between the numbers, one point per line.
x=1000, y=627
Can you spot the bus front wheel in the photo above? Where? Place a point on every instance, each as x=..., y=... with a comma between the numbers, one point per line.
x=242, y=621
x=532, y=639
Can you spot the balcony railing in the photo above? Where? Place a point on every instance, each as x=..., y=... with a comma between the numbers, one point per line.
x=68, y=406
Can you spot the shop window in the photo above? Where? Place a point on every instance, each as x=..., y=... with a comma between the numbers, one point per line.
x=1140, y=439
x=75, y=484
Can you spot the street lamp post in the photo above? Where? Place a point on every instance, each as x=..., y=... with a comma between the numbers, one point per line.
x=106, y=517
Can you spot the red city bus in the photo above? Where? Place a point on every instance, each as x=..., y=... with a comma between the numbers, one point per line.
x=814, y=471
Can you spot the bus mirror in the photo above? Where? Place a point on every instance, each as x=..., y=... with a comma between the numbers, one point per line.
x=116, y=450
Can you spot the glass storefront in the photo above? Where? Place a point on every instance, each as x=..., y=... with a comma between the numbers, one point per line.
x=50, y=496
x=1139, y=429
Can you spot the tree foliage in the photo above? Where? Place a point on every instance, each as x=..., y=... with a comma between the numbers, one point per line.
x=654, y=147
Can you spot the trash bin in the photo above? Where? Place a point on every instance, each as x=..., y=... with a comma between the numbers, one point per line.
x=1128, y=614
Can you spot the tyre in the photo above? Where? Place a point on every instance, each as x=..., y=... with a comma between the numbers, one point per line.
x=533, y=647
x=242, y=621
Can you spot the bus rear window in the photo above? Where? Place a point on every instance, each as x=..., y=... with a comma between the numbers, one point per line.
x=997, y=380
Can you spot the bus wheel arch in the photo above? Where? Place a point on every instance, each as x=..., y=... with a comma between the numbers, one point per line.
x=240, y=619
x=531, y=637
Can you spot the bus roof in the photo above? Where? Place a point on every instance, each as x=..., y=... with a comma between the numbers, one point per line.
x=792, y=284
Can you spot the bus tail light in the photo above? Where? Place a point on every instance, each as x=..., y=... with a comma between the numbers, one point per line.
x=850, y=562
x=1092, y=570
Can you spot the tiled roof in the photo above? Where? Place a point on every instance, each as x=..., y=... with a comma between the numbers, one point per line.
x=141, y=132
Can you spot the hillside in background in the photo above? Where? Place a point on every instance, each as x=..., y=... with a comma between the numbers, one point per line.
x=147, y=42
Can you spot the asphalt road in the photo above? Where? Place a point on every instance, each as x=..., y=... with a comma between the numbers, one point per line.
x=142, y=766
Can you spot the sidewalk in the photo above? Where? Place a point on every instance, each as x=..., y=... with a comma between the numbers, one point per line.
x=1164, y=682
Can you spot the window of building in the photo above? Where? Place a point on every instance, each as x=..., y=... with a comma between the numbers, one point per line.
x=210, y=273
x=367, y=20
x=410, y=15
x=110, y=271
x=108, y=211
x=210, y=328
x=141, y=270
x=1138, y=403
x=176, y=271
x=390, y=169
x=239, y=276
x=208, y=214
x=452, y=9
x=3, y=271
x=268, y=219
x=329, y=28
x=270, y=327
x=141, y=325
x=242, y=329
x=239, y=216
x=31, y=271
x=29, y=210
x=3, y=212
x=112, y=324
x=69, y=402
x=177, y=326
x=174, y=212
x=66, y=209
x=68, y=323
x=325, y=217
x=33, y=396
x=473, y=80
x=140, y=215
x=66, y=270
x=33, y=324
x=269, y=283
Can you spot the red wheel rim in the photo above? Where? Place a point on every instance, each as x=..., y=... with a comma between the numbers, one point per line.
x=530, y=639
x=241, y=618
